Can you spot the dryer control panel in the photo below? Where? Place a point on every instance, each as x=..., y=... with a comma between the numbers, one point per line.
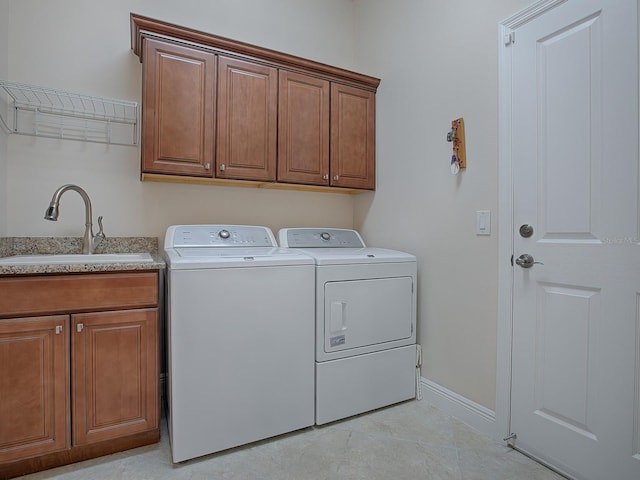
x=320, y=238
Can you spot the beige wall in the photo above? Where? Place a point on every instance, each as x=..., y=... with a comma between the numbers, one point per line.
x=438, y=62
x=84, y=47
x=3, y=138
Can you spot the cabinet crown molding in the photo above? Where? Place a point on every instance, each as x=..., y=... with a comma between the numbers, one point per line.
x=142, y=27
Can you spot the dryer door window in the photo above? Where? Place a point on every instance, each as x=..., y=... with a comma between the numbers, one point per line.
x=360, y=313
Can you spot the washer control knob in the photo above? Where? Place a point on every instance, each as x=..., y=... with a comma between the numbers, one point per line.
x=224, y=234
x=325, y=236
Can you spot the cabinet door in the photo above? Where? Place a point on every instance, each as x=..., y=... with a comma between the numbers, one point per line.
x=352, y=137
x=34, y=386
x=114, y=359
x=178, y=109
x=303, y=129
x=247, y=120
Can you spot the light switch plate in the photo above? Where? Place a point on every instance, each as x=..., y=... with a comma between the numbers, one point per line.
x=483, y=222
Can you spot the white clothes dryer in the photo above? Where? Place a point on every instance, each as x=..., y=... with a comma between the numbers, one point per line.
x=240, y=320
x=365, y=354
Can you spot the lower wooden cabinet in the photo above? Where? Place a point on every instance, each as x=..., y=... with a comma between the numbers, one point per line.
x=81, y=384
x=34, y=387
x=114, y=358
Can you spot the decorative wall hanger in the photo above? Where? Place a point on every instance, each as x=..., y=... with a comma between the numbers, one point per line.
x=456, y=136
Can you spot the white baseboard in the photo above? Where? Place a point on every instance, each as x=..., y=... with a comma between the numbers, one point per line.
x=465, y=410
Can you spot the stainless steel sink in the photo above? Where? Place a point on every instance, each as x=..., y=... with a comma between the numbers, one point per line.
x=78, y=258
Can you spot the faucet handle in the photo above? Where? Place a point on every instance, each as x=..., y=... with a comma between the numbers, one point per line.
x=98, y=238
x=101, y=229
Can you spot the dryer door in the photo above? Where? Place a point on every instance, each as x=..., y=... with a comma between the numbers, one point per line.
x=369, y=315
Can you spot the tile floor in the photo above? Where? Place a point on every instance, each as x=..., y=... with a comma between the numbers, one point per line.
x=412, y=440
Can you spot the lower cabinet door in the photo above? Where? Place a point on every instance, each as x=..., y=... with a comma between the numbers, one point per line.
x=115, y=374
x=34, y=386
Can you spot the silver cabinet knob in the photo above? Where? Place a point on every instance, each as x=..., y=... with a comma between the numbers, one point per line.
x=336, y=177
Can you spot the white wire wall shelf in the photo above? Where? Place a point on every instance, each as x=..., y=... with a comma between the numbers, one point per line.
x=46, y=112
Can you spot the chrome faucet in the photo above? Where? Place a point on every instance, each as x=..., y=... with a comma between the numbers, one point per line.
x=90, y=241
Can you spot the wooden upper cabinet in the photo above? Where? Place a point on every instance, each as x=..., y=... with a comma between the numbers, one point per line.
x=247, y=120
x=178, y=105
x=220, y=108
x=352, y=137
x=303, y=129
x=34, y=387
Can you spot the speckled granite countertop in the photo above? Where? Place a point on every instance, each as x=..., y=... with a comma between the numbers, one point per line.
x=10, y=246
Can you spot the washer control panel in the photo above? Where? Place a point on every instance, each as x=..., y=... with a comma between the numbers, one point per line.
x=220, y=236
x=320, y=238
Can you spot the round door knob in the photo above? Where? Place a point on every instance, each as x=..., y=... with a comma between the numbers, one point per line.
x=526, y=230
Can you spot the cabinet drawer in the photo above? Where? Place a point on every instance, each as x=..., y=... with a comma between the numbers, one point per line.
x=77, y=293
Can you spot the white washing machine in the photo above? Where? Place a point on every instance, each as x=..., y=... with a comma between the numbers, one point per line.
x=240, y=320
x=365, y=321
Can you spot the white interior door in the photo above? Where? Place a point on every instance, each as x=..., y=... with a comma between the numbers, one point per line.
x=576, y=315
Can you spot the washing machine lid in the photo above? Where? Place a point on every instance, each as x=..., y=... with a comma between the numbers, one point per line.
x=225, y=246
x=333, y=246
